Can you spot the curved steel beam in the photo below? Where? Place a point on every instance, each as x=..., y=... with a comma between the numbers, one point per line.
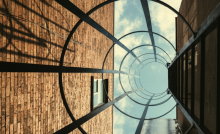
x=133, y=61
x=110, y=98
x=133, y=89
x=161, y=102
x=145, y=119
x=156, y=47
x=77, y=123
x=122, y=87
x=163, y=114
x=62, y=59
x=160, y=97
x=171, y=8
x=139, y=79
x=153, y=33
x=151, y=53
x=85, y=17
x=139, y=74
x=121, y=66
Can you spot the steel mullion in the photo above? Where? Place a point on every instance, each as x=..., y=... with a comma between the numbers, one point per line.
x=189, y=118
x=146, y=10
x=92, y=92
x=179, y=91
x=186, y=81
x=206, y=27
x=192, y=79
x=141, y=122
x=182, y=79
x=202, y=82
x=79, y=13
x=82, y=120
x=218, y=80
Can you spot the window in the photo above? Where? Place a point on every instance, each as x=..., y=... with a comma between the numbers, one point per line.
x=98, y=95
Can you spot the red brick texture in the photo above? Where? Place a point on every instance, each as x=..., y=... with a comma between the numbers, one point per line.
x=34, y=31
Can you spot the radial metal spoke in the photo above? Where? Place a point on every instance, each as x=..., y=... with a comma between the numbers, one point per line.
x=79, y=13
x=87, y=117
x=189, y=118
x=171, y=8
x=140, y=125
x=145, y=7
x=24, y=67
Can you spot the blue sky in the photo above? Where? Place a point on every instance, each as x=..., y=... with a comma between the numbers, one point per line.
x=129, y=17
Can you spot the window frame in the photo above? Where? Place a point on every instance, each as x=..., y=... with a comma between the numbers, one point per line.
x=105, y=97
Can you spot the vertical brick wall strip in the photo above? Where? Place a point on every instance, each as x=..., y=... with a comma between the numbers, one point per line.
x=34, y=31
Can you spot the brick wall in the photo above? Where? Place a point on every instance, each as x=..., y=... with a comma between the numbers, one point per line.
x=195, y=12
x=34, y=31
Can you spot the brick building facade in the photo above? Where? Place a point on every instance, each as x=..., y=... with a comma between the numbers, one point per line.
x=196, y=86
x=34, y=32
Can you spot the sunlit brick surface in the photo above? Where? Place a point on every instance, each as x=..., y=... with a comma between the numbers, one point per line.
x=34, y=31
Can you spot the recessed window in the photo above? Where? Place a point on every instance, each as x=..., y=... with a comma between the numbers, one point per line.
x=98, y=95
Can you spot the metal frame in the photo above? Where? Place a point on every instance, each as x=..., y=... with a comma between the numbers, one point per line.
x=85, y=118
x=141, y=122
x=192, y=80
x=202, y=83
x=186, y=80
x=146, y=10
x=206, y=27
x=88, y=20
x=172, y=9
x=85, y=18
x=189, y=118
x=218, y=79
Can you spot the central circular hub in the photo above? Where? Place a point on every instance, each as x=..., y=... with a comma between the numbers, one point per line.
x=154, y=77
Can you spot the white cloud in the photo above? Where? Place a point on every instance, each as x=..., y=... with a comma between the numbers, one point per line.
x=164, y=18
x=130, y=42
x=119, y=121
x=119, y=6
x=125, y=26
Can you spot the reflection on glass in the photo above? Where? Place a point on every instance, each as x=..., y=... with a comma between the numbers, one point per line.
x=95, y=89
x=95, y=99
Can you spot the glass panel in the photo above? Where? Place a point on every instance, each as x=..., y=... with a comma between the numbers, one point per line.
x=95, y=89
x=95, y=100
x=100, y=91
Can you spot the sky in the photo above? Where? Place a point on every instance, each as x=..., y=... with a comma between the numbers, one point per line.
x=129, y=17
